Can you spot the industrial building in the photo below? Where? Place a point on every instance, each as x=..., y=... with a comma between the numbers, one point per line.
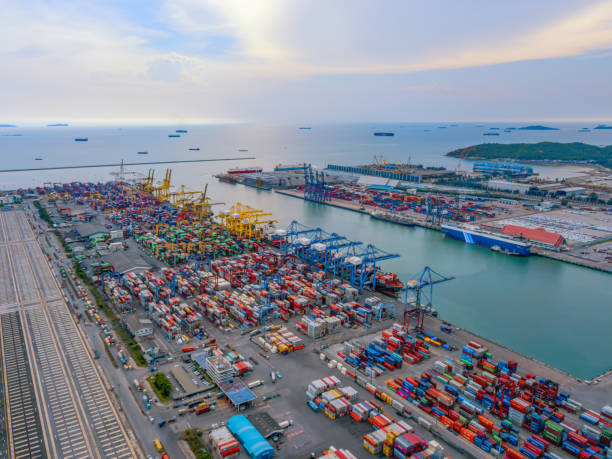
x=537, y=236
x=512, y=170
x=400, y=172
x=511, y=187
x=252, y=441
x=238, y=393
x=219, y=368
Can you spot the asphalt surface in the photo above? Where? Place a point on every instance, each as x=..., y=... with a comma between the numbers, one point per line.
x=75, y=409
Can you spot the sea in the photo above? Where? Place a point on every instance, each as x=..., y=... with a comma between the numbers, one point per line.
x=548, y=310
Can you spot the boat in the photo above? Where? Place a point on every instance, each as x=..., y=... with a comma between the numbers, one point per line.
x=38, y=159
x=245, y=170
x=291, y=167
x=173, y=135
x=81, y=139
x=181, y=131
x=194, y=149
x=584, y=130
x=491, y=133
x=243, y=149
x=388, y=282
x=471, y=234
x=392, y=217
x=143, y=152
x=226, y=178
x=305, y=128
x=384, y=134
x=57, y=125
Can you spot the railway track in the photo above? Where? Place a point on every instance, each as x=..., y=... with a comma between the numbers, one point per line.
x=22, y=422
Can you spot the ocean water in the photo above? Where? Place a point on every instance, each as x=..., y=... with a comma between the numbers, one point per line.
x=552, y=311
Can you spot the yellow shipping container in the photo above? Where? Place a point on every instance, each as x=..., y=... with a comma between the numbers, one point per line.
x=387, y=451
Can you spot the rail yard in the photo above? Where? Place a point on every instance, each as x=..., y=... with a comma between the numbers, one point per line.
x=109, y=288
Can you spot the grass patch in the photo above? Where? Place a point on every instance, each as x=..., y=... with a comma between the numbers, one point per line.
x=132, y=346
x=42, y=213
x=155, y=381
x=193, y=437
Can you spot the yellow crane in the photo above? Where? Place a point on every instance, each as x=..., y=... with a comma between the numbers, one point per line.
x=202, y=207
x=180, y=198
x=147, y=186
x=243, y=220
x=162, y=191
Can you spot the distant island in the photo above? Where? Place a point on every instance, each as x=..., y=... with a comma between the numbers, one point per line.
x=57, y=125
x=603, y=126
x=8, y=125
x=538, y=127
x=542, y=151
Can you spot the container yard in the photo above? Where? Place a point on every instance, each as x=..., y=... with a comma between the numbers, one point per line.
x=244, y=317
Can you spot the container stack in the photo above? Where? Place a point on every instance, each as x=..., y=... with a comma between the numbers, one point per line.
x=224, y=443
x=337, y=453
x=407, y=445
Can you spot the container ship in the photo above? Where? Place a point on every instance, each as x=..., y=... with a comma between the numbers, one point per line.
x=245, y=170
x=393, y=218
x=476, y=236
x=384, y=134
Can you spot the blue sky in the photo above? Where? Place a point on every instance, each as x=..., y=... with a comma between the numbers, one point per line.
x=305, y=60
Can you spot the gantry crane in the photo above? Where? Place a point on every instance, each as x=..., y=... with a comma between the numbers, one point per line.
x=162, y=191
x=422, y=302
x=244, y=220
x=201, y=208
x=146, y=186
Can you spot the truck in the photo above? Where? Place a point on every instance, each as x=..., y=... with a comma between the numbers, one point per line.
x=273, y=377
x=188, y=349
x=158, y=446
x=256, y=383
x=202, y=408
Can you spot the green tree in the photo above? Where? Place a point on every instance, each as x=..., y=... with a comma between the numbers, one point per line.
x=609, y=202
x=162, y=384
x=593, y=197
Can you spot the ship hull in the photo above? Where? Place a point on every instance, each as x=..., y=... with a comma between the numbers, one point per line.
x=391, y=220
x=492, y=242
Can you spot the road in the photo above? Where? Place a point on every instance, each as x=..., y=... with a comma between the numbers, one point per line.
x=68, y=398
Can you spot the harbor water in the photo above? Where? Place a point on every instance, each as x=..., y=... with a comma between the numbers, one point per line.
x=552, y=311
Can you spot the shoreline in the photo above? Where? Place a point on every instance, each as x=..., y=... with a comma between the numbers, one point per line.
x=557, y=256
x=607, y=374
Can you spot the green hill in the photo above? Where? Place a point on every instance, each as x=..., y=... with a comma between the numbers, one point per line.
x=543, y=151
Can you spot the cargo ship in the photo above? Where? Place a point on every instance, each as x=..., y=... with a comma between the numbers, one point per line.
x=194, y=149
x=291, y=167
x=81, y=139
x=476, y=236
x=391, y=217
x=388, y=283
x=384, y=134
x=181, y=131
x=38, y=159
x=305, y=128
x=143, y=152
x=491, y=133
x=173, y=135
x=245, y=170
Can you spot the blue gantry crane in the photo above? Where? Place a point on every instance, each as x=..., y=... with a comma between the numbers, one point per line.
x=421, y=286
x=315, y=188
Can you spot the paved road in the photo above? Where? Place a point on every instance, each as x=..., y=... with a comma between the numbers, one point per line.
x=75, y=410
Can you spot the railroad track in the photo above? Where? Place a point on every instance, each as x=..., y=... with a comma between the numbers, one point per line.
x=46, y=363
x=25, y=438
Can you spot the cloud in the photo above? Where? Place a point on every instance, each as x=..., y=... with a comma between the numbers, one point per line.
x=228, y=58
x=165, y=70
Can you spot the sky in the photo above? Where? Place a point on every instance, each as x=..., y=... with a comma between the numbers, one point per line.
x=305, y=61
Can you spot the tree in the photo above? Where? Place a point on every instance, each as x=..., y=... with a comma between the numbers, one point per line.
x=162, y=384
x=593, y=197
x=564, y=202
x=609, y=202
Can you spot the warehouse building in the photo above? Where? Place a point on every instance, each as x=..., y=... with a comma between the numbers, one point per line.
x=538, y=236
x=252, y=441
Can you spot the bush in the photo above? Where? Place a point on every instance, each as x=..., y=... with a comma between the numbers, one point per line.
x=194, y=440
x=161, y=385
